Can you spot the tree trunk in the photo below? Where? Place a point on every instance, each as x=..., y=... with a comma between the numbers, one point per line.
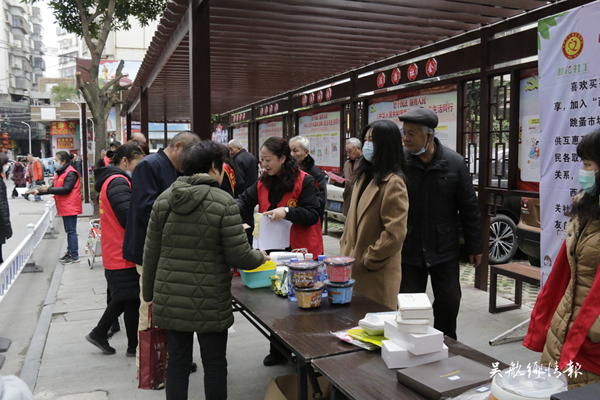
x=101, y=134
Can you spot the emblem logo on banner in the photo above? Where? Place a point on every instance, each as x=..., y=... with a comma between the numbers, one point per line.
x=380, y=80
x=328, y=94
x=413, y=71
x=304, y=99
x=572, y=45
x=431, y=67
x=396, y=76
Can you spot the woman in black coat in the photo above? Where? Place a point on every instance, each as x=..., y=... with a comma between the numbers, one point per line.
x=5, y=227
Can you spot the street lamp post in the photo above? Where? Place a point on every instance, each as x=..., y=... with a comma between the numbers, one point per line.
x=30, y=149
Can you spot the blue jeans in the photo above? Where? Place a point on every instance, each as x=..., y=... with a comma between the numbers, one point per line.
x=70, y=224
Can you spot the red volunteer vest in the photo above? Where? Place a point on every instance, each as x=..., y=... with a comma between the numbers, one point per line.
x=68, y=204
x=230, y=175
x=113, y=232
x=308, y=237
x=106, y=161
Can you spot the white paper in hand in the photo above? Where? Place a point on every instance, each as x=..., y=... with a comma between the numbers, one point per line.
x=274, y=235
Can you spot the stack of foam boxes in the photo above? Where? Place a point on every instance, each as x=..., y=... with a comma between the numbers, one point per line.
x=411, y=341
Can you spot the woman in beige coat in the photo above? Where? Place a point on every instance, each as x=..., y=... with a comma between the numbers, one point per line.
x=565, y=325
x=376, y=223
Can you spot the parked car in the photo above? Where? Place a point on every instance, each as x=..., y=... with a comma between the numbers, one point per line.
x=528, y=230
x=335, y=203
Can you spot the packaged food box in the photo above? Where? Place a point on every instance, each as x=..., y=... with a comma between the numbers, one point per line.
x=373, y=323
x=417, y=343
x=339, y=269
x=339, y=293
x=412, y=325
x=414, y=306
x=303, y=274
x=396, y=356
x=309, y=297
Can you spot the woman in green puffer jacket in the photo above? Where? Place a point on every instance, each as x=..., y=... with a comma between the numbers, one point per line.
x=194, y=235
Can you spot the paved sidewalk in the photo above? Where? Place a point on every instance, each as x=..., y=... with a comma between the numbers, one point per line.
x=73, y=369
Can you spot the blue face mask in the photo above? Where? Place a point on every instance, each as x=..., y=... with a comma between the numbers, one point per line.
x=368, y=150
x=587, y=180
x=57, y=165
x=423, y=150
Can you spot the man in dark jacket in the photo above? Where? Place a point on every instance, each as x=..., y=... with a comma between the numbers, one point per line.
x=300, y=147
x=152, y=176
x=246, y=174
x=440, y=192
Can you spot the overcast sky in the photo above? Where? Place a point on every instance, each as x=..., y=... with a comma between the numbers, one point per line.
x=50, y=41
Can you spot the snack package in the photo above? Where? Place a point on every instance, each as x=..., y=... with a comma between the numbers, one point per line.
x=278, y=284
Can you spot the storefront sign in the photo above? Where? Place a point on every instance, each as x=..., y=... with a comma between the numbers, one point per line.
x=63, y=127
x=380, y=80
x=569, y=66
x=64, y=143
x=413, y=71
x=269, y=129
x=396, y=76
x=431, y=67
x=441, y=100
x=323, y=132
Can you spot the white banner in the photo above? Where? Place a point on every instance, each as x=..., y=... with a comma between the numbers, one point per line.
x=241, y=132
x=268, y=129
x=529, y=126
x=569, y=64
x=443, y=104
x=323, y=132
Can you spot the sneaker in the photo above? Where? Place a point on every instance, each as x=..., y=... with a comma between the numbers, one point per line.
x=130, y=352
x=274, y=359
x=100, y=342
x=63, y=258
x=70, y=260
x=114, y=328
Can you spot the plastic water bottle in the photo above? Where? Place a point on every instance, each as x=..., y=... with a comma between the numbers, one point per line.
x=291, y=294
x=322, y=273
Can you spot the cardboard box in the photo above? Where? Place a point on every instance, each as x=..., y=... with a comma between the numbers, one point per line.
x=416, y=343
x=445, y=378
x=414, y=306
x=286, y=388
x=395, y=356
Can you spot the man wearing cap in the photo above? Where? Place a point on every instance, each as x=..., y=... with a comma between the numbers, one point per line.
x=440, y=192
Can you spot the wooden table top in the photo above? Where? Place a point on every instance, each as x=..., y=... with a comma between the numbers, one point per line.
x=307, y=332
x=364, y=375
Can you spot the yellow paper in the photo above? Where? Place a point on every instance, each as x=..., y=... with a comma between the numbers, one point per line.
x=256, y=224
x=360, y=334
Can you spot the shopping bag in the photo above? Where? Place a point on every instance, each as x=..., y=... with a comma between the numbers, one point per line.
x=153, y=355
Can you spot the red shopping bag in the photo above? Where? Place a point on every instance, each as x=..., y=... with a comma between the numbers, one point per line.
x=153, y=355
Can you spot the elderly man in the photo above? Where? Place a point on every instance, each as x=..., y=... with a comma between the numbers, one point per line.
x=300, y=147
x=246, y=174
x=354, y=154
x=34, y=175
x=440, y=193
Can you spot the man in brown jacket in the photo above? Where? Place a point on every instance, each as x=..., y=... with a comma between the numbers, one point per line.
x=354, y=153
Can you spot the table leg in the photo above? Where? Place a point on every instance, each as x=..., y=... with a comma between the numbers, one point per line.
x=301, y=372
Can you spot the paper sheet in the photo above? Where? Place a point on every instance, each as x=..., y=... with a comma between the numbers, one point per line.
x=273, y=235
x=335, y=178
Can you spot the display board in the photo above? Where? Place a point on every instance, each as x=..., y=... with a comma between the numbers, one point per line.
x=267, y=129
x=241, y=132
x=569, y=64
x=529, y=129
x=442, y=100
x=322, y=129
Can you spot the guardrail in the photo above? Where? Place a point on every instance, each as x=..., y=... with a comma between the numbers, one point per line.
x=13, y=265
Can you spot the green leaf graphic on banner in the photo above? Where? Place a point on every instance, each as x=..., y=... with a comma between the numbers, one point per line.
x=544, y=27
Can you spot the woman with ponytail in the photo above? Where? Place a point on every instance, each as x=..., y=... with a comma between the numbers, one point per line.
x=67, y=195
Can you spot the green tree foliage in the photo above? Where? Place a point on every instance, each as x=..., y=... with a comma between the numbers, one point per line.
x=93, y=20
x=63, y=92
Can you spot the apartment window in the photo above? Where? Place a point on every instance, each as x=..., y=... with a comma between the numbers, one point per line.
x=38, y=63
x=21, y=83
x=16, y=21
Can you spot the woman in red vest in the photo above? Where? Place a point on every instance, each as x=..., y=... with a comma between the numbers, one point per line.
x=67, y=195
x=286, y=192
x=113, y=182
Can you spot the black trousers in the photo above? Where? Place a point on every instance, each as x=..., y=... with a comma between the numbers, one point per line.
x=445, y=281
x=213, y=351
x=130, y=310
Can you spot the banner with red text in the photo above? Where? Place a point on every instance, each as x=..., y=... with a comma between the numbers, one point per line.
x=267, y=129
x=441, y=100
x=323, y=132
x=569, y=65
x=241, y=132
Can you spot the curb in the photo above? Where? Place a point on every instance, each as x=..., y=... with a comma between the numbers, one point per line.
x=33, y=359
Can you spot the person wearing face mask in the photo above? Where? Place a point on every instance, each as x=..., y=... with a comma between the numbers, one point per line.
x=152, y=176
x=195, y=234
x=376, y=223
x=113, y=182
x=564, y=323
x=440, y=192
x=67, y=195
x=5, y=227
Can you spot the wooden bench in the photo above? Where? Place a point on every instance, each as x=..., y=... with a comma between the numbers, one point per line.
x=520, y=273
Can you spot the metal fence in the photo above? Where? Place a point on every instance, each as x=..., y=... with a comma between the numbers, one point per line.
x=13, y=265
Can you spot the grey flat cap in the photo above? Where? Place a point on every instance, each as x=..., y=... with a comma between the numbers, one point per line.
x=421, y=116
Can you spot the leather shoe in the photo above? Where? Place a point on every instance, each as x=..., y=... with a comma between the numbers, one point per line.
x=114, y=328
x=100, y=342
x=274, y=359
